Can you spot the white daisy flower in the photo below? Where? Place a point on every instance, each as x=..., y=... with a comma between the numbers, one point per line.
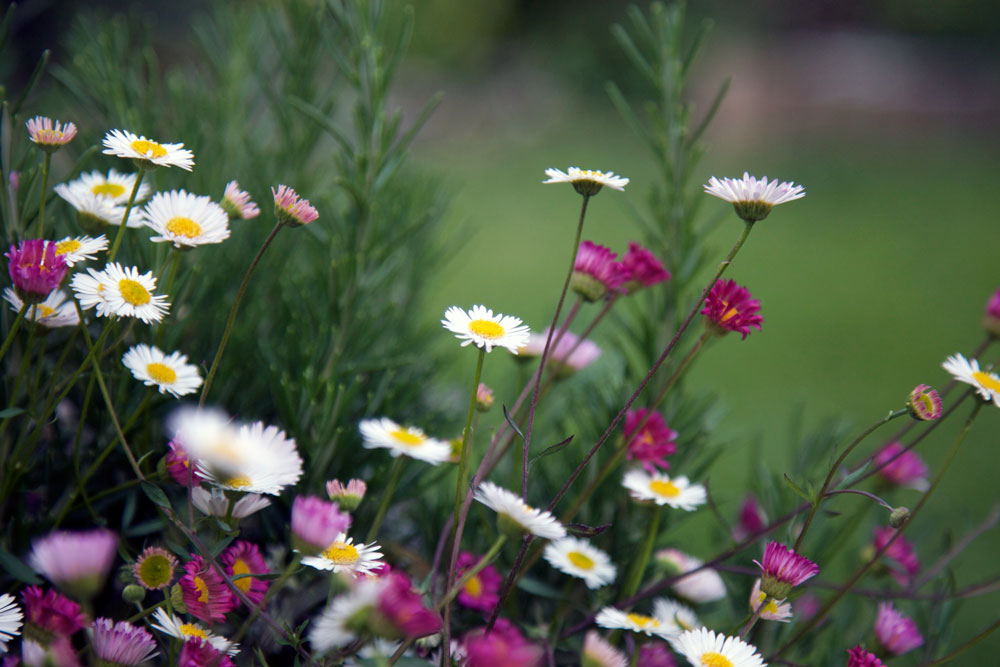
x=675, y=616
x=333, y=627
x=486, y=330
x=93, y=211
x=173, y=626
x=406, y=440
x=586, y=181
x=597, y=652
x=56, y=311
x=703, y=647
x=10, y=620
x=147, y=153
x=90, y=290
x=578, y=558
x=169, y=374
x=75, y=249
x=774, y=610
x=343, y=555
x=122, y=292
x=214, y=502
x=664, y=490
x=115, y=187
x=262, y=460
x=186, y=219
x=616, y=619
x=753, y=198
x=987, y=383
x=701, y=586
x=511, y=508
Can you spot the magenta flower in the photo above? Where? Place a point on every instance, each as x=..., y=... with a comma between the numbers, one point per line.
x=76, y=562
x=858, y=657
x=402, y=611
x=290, y=209
x=730, y=307
x=652, y=443
x=783, y=569
x=991, y=319
x=121, y=644
x=48, y=135
x=644, y=269
x=35, y=269
x=596, y=273
x=902, y=467
x=197, y=652
x=237, y=203
x=349, y=495
x=903, y=559
x=481, y=592
x=924, y=403
x=316, y=523
x=205, y=594
x=51, y=612
x=656, y=654
x=56, y=651
x=503, y=647
x=751, y=519
x=896, y=633
x=179, y=466
x=243, y=558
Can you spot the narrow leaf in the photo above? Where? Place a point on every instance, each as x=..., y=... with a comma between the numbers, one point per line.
x=15, y=568
x=853, y=477
x=510, y=420
x=551, y=450
x=156, y=494
x=797, y=489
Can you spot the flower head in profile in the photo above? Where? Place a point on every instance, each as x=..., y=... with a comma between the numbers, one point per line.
x=568, y=354
x=54, y=312
x=75, y=249
x=662, y=489
x=783, y=569
x=902, y=558
x=578, y=558
x=986, y=383
x=48, y=135
x=774, y=610
x=484, y=398
x=896, y=633
x=95, y=213
x=587, y=182
x=214, y=502
x=115, y=187
x=515, y=517
x=50, y=612
x=244, y=565
x=403, y=440
x=991, y=318
x=702, y=585
x=121, y=644
x=651, y=626
x=174, y=627
x=198, y=652
x=481, y=327
x=704, y=648
x=401, y=612
x=505, y=645
x=35, y=269
x=170, y=374
x=674, y=616
x=730, y=307
x=205, y=594
x=146, y=153
x=900, y=466
x=75, y=561
x=186, y=220
x=482, y=591
x=597, y=652
x=644, y=269
x=924, y=403
x=316, y=523
x=237, y=203
x=751, y=520
x=345, y=618
x=290, y=209
x=343, y=555
x=753, y=198
x=859, y=657
x=597, y=272
x=154, y=568
x=179, y=466
x=349, y=495
x=652, y=443
x=119, y=291
x=10, y=620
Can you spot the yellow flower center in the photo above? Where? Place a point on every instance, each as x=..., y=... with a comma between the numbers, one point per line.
x=405, y=436
x=67, y=246
x=192, y=630
x=202, y=587
x=162, y=373
x=474, y=587
x=713, y=659
x=987, y=380
x=181, y=226
x=155, y=571
x=341, y=553
x=44, y=311
x=238, y=482
x=661, y=488
x=729, y=313
x=925, y=402
x=580, y=560
x=486, y=328
x=133, y=292
x=643, y=621
x=148, y=148
x=240, y=567
x=109, y=189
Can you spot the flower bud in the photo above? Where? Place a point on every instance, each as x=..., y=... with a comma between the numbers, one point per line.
x=899, y=517
x=133, y=594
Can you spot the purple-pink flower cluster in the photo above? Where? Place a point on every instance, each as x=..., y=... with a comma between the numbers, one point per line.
x=35, y=269
x=650, y=440
x=730, y=307
x=783, y=569
x=598, y=273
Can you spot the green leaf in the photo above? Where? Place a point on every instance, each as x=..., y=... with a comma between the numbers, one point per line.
x=156, y=494
x=797, y=489
x=583, y=530
x=10, y=412
x=853, y=477
x=510, y=420
x=15, y=568
x=548, y=451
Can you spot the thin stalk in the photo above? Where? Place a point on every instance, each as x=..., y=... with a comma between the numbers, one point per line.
x=964, y=647
x=642, y=557
x=175, y=262
x=463, y=460
x=756, y=615
x=394, y=475
x=473, y=571
x=274, y=588
x=13, y=329
x=232, y=314
x=45, y=187
x=128, y=209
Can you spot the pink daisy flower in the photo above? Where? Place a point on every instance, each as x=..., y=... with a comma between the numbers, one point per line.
x=290, y=209
x=858, y=657
x=316, y=523
x=503, y=647
x=481, y=592
x=566, y=357
x=896, y=633
x=349, y=495
x=783, y=569
x=903, y=561
x=751, y=520
x=48, y=135
x=179, y=466
x=121, y=644
x=730, y=307
x=484, y=398
x=991, y=320
x=656, y=654
x=57, y=651
x=51, y=612
x=597, y=652
x=901, y=467
x=205, y=594
x=76, y=562
x=596, y=273
x=652, y=443
x=403, y=609
x=924, y=403
x=237, y=203
x=35, y=269
x=644, y=269
x=243, y=558
x=198, y=652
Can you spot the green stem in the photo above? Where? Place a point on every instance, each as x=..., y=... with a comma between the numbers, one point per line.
x=964, y=647
x=13, y=329
x=470, y=573
x=45, y=187
x=756, y=615
x=642, y=557
x=128, y=210
x=394, y=475
x=232, y=314
x=463, y=460
x=147, y=611
x=274, y=588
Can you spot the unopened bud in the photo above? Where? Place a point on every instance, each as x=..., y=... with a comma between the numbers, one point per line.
x=899, y=517
x=133, y=594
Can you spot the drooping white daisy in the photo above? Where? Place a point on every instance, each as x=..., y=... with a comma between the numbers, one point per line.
x=702, y=648
x=333, y=627
x=343, y=555
x=702, y=586
x=987, y=383
x=511, y=509
x=403, y=440
x=75, y=249
x=616, y=619
x=753, y=198
x=578, y=558
x=663, y=490
x=146, y=153
x=214, y=502
x=586, y=181
x=115, y=187
x=186, y=219
x=122, y=292
x=94, y=212
x=10, y=620
x=264, y=460
x=168, y=373
x=675, y=616
x=774, y=610
x=486, y=330
x=56, y=311
x=173, y=626
x=597, y=652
